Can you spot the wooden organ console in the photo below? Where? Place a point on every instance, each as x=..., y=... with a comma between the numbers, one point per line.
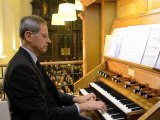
x=131, y=91
x=127, y=97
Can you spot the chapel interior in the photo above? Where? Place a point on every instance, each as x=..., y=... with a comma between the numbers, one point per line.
x=111, y=49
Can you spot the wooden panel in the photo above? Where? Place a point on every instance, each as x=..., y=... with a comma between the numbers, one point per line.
x=131, y=7
x=59, y=62
x=87, y=2
x=126, y=7
x=88, y=78
x=153, y=4
x=152, y=18
x=91, y=37
x=125, y=2
x=152, y=114
x=97, y=22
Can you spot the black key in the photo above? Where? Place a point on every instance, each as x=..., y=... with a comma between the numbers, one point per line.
x=132, y=106
x=117, y=116
x=136, y=109
x=125, y=102
x=112, y=111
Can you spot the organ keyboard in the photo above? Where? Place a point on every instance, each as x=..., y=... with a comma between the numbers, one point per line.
x=112, y=112
x=122, y=108
x=122, y=91
x=119, y=100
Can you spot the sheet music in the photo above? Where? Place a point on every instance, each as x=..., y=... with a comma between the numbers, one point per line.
x=120, y=31
x=119, y=34
x=134, y=43
x=153, y=47
x=107, y=44
x=158, y=62
x=112, y=45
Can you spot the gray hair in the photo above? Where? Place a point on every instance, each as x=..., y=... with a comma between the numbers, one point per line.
x=30, y=23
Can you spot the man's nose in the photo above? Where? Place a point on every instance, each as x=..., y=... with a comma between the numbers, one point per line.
x=49, y=40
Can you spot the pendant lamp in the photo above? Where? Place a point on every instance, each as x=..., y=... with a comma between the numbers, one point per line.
x=67, y=12
x=78, y=5
x=56, y=20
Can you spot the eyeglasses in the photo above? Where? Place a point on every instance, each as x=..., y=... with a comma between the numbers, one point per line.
x=45, y=36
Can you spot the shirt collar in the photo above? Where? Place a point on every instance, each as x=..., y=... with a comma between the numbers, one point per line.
x=31, y=54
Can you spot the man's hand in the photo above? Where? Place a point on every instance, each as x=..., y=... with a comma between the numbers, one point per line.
x=85, y=98
x=92, y=105
x=88, y=103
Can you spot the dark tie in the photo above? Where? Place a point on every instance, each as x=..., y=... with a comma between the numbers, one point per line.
x=39, y=66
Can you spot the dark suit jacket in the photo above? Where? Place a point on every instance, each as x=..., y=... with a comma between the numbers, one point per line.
x=31, y=93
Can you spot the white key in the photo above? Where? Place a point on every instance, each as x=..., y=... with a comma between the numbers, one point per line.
x=111, y=98
x=83, y=91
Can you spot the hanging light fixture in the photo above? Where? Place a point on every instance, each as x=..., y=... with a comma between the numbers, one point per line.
x=78, y=5
x=56, y=20
x=67, y=12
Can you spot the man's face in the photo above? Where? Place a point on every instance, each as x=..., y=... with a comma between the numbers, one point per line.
x=39, y=41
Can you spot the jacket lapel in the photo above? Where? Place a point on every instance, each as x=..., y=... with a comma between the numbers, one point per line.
x=45, y=80
x=27, y=55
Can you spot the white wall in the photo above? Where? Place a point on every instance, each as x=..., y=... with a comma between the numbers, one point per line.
x=1, y=29
x=11, y=11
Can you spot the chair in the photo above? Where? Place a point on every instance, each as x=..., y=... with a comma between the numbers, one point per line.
x=4, y=111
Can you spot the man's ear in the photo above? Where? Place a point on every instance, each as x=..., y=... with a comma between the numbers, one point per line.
x=28, y=35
